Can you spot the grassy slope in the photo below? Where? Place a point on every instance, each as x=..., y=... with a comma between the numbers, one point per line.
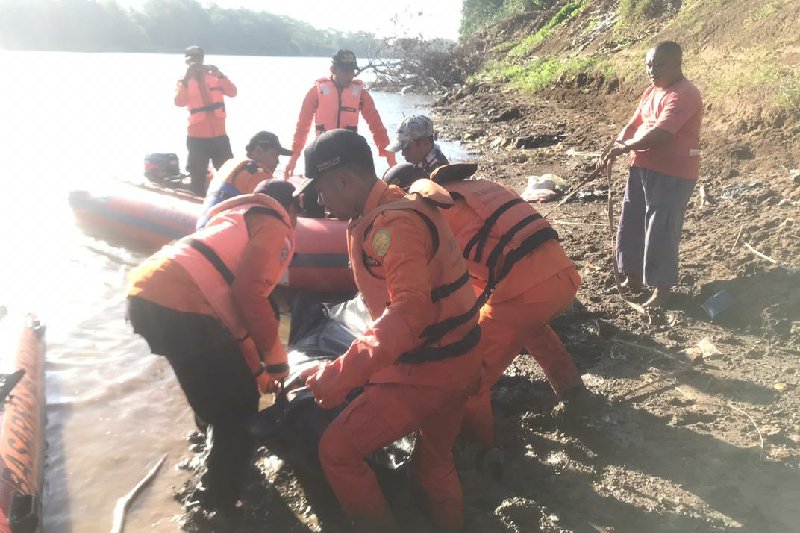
x=744, y=55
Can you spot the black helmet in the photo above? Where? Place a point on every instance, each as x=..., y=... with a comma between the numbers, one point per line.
x=403, y=175
x=194, y=51
x=344, y=59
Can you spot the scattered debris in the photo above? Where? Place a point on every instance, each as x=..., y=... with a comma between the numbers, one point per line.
x=572, y=152
x=718, y=304
x=118, y=525
x=759, y=254
x=544, y=188
x=738, y=235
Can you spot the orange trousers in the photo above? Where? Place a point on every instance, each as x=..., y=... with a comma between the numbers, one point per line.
x=382, y=414
x=506, y=328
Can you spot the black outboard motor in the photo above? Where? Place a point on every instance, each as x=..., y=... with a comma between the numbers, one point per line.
x=295, y=423
x=162, y=169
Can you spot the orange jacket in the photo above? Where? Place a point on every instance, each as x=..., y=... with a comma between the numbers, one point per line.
x=228, y=270
x=503, y=238
x=206, y=104
x=337, y=109
x=416, y=287
x=232, y=179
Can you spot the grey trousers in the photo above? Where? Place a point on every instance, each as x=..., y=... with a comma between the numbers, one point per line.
x=650, y=226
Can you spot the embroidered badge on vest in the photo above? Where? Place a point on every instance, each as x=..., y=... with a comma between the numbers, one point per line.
x=380, y=242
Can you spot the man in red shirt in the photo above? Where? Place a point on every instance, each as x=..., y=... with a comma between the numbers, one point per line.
x=663, y=137
x=203, y=90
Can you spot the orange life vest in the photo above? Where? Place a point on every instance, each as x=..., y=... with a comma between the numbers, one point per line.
x=211, y=256
x=232, y=180
x=455, y=330
x=205, y=98
x=337, y=110
x=510, y=228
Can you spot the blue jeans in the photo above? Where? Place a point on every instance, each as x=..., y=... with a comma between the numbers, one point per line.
x=650, y=226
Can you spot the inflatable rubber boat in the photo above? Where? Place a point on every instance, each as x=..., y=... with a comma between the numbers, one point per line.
x=147, y=221
x=22, y=399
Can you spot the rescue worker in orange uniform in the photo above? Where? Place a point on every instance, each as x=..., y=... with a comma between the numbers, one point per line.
x=516, y=261
x=202, y=302
x=203, y=90
x=242, y=176
x=336, y=102
x=417, y=361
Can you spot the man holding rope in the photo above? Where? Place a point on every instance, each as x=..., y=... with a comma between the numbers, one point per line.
x=663, y=137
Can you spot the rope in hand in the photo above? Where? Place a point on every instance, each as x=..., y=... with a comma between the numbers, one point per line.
x=592, y=175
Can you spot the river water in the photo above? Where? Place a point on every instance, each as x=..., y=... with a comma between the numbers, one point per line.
x=85, y=121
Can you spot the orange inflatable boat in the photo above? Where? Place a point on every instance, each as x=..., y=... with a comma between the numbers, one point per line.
x=22, y=419
x=145, y=223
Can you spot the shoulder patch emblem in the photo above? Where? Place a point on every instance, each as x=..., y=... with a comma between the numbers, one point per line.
x=380, y=242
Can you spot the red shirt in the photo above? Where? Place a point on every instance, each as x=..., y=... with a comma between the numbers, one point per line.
x=677, y=109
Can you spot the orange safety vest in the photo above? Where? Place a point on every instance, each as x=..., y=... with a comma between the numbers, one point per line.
x=211, y=256
x=228, y=183
x=335, y=109
x=511, y=228
x=206, y=98
x=455, y=330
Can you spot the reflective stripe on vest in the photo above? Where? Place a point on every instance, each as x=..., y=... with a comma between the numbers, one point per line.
x=206, y=99
x=337, y=110
x=511, y=226
x=209, y=107
x=455, y=331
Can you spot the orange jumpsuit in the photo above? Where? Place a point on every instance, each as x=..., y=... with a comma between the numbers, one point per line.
x=368, y=111
x=417, y=361
x=539, y=283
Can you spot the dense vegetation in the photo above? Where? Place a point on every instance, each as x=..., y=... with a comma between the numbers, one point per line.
x=165, y=26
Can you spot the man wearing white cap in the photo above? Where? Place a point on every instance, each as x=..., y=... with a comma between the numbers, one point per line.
x=415, y=140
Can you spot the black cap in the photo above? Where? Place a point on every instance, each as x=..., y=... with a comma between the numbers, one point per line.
x=280, y=190
x=453, y=172
x=267, y=140
x=194, y=51
x=403, y=175
x=337, y=148
x=345, y=59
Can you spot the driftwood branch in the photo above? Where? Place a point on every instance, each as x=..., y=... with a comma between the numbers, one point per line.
x=738, y=235
x=118, y=525
x=759, y=254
